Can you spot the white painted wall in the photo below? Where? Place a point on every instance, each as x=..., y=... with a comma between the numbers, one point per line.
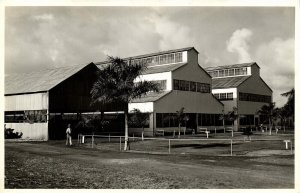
x=36, y=131
x=143, y=107
x=226, y=90
x=36, y=101
x=185, y=56
x=158, y=76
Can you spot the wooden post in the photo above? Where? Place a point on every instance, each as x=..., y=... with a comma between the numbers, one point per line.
x=142, y=135
x=231, y=147
x=215, y=131
x=169, y=146
x=109, y=137
x=120, y=143
x=291, y=147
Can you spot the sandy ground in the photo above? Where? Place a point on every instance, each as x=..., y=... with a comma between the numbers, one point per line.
x=53, y=165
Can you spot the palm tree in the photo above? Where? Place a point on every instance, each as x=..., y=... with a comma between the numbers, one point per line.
x=270, y=112
x=116, y=83
x=181, y=117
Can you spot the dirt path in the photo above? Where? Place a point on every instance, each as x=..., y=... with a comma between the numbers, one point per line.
x=46, y=165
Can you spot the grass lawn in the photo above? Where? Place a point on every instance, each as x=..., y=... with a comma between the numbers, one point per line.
x=205, y=165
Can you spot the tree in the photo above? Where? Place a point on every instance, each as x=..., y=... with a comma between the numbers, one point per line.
x=230, y=116
x=181, y=117
x=270, y=112
x=289, y=107
x=140, y=119
x=116, y=83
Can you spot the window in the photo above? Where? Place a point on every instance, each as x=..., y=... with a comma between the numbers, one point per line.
x=178, y=57
x=224, y=96
x=226, y=72
x=237, y=71
x=202, y=87
x=217, y=95
x=221, y=73
x=231, y=72
x=32, y=116
x=230, y=95
x=171, y=58
x=176, y=84
x=215, y=73
x=163, y=59
x=193, y=86
x=243, y=71
x=162, y=84
x=254, y=97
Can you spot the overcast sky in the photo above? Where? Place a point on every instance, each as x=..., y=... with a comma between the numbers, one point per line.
x=46, y=37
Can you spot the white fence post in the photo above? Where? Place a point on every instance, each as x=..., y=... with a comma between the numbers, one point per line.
x=291, y=147
x=142, y=135
x=93, y=141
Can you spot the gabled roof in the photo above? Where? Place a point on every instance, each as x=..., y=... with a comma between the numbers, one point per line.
x=151, y=97
x=230, y=66
x=39, y=81
x=229, y=82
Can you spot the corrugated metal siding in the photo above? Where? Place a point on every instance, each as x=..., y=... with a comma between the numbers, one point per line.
x=36, y=131
x=36, y=101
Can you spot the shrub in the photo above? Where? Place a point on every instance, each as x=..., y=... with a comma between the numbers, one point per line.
x=9, y=134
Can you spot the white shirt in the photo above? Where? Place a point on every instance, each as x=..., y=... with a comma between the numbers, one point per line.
x=68, y=131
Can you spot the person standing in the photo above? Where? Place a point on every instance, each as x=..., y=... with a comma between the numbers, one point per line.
x=69, y=137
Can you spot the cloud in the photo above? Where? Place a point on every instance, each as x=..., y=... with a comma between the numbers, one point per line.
x=238, y=43
x=276, y=59
x=172, y=35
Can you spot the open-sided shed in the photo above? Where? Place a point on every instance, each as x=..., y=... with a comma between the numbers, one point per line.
x=40, y=104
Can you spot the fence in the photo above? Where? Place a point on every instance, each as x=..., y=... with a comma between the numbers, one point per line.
x=204, y=146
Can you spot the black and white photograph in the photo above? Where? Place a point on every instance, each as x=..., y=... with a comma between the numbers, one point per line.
x=149, y=95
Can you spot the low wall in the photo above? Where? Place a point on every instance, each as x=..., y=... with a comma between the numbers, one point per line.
x=35, y=131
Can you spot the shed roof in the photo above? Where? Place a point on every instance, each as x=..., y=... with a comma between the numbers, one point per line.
x=163, y=68
x=39, y=81
x=150, y=97
x=230, y=66
x=229, y=82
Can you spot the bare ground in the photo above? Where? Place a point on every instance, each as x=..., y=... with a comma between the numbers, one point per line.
x=52, y=165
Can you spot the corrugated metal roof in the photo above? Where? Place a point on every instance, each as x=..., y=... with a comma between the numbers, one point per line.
x=38, y=81
x=230, y=66
x=229, y=82
x=150, y=97
x=163, y=68
x=156, y=69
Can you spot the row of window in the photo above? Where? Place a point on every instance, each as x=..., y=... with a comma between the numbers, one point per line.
x=224, y=96
x=30, y=116
x=191, y=86
x=254, y=97
x=164, y=120
x=228, y=72
x=161, y=59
